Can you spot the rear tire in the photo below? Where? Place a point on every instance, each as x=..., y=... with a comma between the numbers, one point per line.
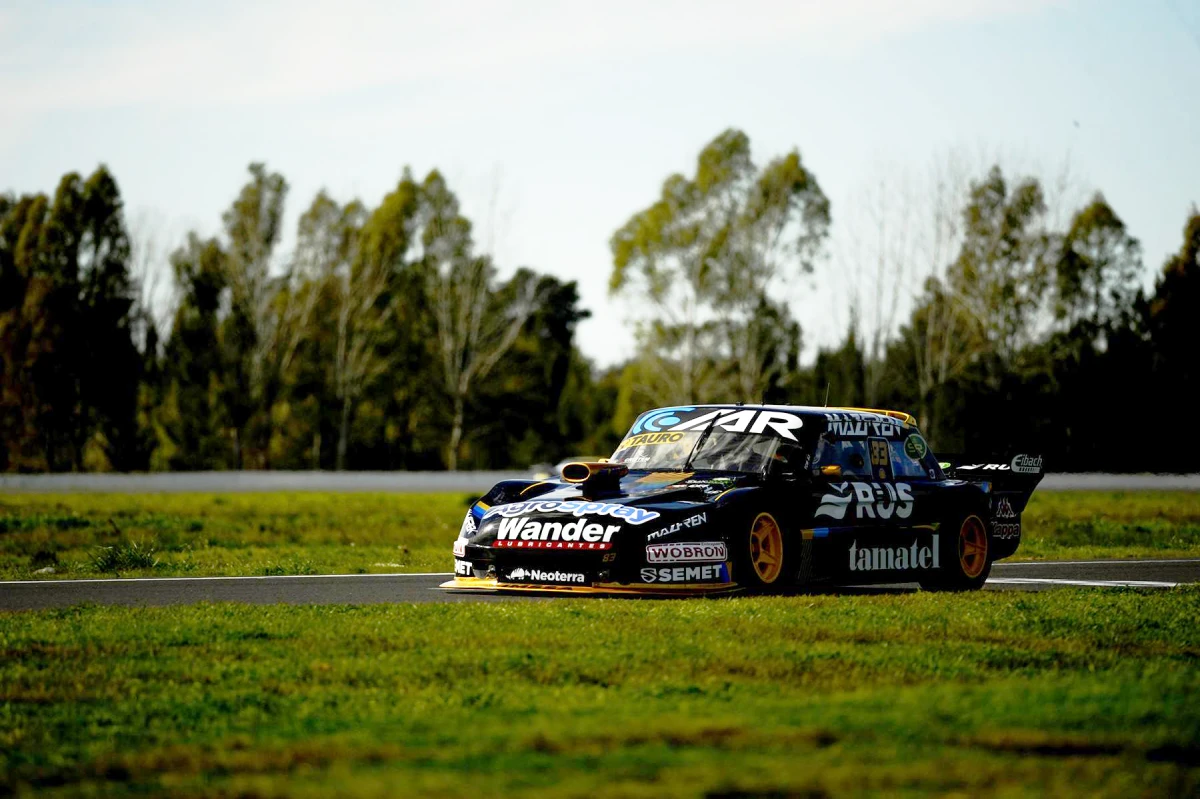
x=760, y=557
x=966, y=557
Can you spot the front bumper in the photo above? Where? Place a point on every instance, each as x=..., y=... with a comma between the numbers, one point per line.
x=595, y=589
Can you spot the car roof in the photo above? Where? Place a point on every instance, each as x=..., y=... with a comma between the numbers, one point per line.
x=808, y=410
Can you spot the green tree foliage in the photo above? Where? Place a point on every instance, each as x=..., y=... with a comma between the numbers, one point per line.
x=1173, y=321
x=353, y=290
x=70, y=370
x=1097, y=272
x=1000, y=273
x=707, y=261
x=382, y=342
x=192, y=419
x=385, y=339
x=1036, y=338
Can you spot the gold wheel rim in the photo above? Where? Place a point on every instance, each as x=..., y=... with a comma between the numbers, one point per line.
x=972, y=546
x=766, y=548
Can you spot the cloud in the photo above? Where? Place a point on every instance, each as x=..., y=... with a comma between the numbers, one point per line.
x=229, y=53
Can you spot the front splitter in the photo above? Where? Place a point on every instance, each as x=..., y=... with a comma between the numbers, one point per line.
x=596, y=589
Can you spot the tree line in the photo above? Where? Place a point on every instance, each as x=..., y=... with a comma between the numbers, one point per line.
x=386, y=338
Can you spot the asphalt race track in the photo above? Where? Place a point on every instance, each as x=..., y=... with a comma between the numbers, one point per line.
x=360, y=589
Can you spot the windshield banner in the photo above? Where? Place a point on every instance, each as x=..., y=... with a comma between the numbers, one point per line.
x=682, y=419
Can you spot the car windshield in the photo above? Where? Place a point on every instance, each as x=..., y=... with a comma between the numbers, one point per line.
x=721, y=450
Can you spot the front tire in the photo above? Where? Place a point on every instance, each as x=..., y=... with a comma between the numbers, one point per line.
x=760, y=554
x=967, y=557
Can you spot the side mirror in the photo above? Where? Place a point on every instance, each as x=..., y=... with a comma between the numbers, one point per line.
x=832, y=470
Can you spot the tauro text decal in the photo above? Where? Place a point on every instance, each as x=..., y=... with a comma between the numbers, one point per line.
x=578, y=508
x=871, y=500
x=701, y=552
x=646, y=439
x=871, y=559
x=530, y=534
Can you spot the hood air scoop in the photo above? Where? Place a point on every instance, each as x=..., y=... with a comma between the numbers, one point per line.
x=595, y=478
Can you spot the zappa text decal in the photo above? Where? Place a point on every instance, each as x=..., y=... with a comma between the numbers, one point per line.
x=870, y=500
x=1003, y=531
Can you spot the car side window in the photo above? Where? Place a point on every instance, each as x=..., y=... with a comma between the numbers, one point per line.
x=850, y=454
x=911, y=459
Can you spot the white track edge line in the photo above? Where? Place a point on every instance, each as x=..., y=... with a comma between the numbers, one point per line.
x=1093, y=583
x=1116, y=562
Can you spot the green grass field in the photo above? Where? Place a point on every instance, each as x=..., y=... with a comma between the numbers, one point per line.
x=82, y=535
x=1077, y=692
x=1081, y=692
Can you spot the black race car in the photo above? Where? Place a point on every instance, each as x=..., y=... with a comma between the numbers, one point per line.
x=713, y=498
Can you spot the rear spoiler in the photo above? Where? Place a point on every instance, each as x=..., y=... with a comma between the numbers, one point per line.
x=1016, y=476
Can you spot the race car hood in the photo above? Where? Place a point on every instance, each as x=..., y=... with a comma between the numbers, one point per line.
x=643, y=502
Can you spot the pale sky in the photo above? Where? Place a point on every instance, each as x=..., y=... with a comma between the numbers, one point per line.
x=555, y=121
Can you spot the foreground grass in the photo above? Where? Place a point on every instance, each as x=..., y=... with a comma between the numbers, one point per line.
x=1065, y=692
x=82, y=535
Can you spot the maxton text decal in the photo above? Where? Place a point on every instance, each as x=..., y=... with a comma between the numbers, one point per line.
x=691, y=521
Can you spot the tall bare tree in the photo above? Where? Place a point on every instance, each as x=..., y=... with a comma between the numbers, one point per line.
x=253, y=224
x=880, y=260
x=709, y=253
x=475, y=324
x=355, y=289
x=909, y=229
